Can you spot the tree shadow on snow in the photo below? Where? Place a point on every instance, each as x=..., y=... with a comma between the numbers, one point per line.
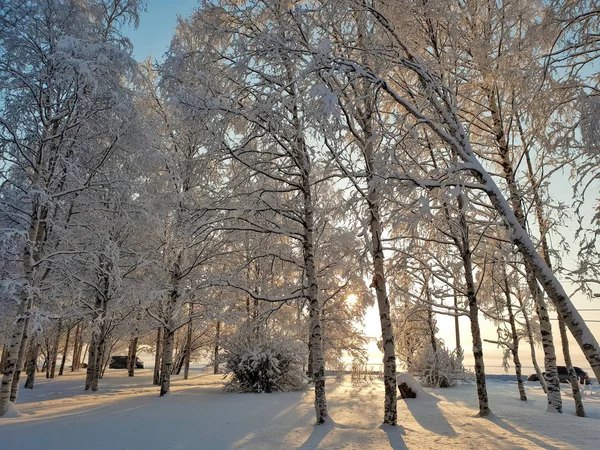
x=502, y=424
x=428, y=415
x=319, y=432
x=394, y=435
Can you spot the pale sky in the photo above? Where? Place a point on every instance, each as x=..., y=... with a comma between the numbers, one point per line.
x=153, y=37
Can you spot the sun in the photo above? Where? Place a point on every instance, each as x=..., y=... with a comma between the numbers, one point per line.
x=351, y=299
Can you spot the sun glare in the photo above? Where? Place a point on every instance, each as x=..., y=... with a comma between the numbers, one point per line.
x=351, y=300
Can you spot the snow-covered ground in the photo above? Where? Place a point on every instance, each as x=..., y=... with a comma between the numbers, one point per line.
x=128, y=414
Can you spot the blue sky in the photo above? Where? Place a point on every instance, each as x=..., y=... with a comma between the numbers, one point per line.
x=156, y=28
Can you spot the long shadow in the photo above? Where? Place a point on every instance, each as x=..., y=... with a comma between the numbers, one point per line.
x=502, y=424
x=318, y=434
x=394, y=435
x=428, y=415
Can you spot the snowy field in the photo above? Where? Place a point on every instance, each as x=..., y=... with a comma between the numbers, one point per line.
x=128, y=414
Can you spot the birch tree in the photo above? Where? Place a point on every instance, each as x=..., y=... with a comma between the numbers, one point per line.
x=60, y=95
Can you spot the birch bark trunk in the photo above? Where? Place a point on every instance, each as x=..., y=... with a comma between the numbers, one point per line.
x=302, y=159
x=157, y=357
x=579, y=409
x=11, y=364
x=315, y=308
x=14, y=389
x=515, y=340
x=451, y=130
x=379, y=278
x=169, y=331
x=134, y=345
x=167, y=362
x=531, y=340
x=3, y=358
x=543, y=227
x=516, y=201
x=466, y=256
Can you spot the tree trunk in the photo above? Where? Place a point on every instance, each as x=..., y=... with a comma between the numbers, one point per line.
x=167, y=362
x=11, y=366
x=14, y=390
x=310, y=369
x=75, y=348
x=105, y=359
x=514, y=348
x=55, y=350
x=169, y=331
x=456, y=325
x=97, y=349
x=82, y=358
x=157, y=357
x=543, y=227
x=452, y=132
x=484, y=409
x=92, y=367
x=302, y=159
x=430, y=319
x=531, y=339
x=312, y=293
x=579, y=410
x=216, y=349
x=47, y=357
x=379, y=277
x=64, y=355
x=133, y=352
x=515, y=198
x=188, y=349
x=32, y=358
x=3, y=358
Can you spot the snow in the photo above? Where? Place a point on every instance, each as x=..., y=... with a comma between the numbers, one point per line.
x=414, y=386
x=127, y=413
x=12, y=412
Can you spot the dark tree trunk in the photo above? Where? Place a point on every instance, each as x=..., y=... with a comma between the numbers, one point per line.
x=14, y=391
x=515, y=340
x=133, y=356
x=3, y=359
x=216, y=349
x=188, y=349
x=456, y=325
x=157, y=357
x=55, y=350
x=579, y=409
x=32, y=363
x=75, y=348
x=64, y=355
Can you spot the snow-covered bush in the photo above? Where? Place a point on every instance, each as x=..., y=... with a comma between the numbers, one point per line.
x=263, y=363
x=440, y=368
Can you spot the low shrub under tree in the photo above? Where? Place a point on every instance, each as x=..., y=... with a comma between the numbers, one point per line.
x=263, y=362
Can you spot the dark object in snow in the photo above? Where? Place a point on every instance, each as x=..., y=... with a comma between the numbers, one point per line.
x=120, y=362
x=406, y=391
x=563, y=375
